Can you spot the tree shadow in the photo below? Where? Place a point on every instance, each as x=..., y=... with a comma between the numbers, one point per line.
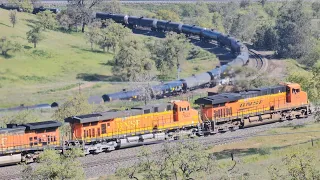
x=226, y=154
x=97, y=77
x=87, y=50
x=27, y=47
x=6, y=56
x=108, y=63
x=30, y=22
x=4, y=24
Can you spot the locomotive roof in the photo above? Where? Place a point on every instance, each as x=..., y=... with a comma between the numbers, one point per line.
x=42, y=125
x=139, y=110
x=231, y=97
x=12, y=130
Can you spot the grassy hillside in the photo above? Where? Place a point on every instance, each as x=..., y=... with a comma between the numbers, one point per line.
x=255, y=155
x=60, y=62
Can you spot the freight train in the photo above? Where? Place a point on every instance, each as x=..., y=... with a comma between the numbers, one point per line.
x=34, y=11
x=206, y=79
x=111, y=130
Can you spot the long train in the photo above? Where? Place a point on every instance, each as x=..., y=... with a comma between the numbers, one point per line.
x=206, y=79
x=34, y=11
x=111, y=130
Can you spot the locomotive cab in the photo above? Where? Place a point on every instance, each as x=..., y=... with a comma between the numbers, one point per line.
x=183, y=112
x=295, y=95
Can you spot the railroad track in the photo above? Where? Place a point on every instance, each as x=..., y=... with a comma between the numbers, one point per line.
x=12, y=177
x=258, y=59
x=203, y=140
x=64, y=2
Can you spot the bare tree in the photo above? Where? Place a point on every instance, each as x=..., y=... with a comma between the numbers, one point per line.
x=13, y=17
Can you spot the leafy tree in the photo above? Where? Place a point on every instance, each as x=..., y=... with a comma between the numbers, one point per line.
x=35, y=36
x=113, y=6
x=263, y=2
x=13, y=17
x=132, y=60
x=316, y=9
x=26, y=5
x=200, y=15
x=92, y=35
x=298, y=164
x=68, y=19
x=266, y=37
x=170, y=52
x=244, y=3
x=167, y=15
x=310, y=83
x=56, y=166
x=112, y=35
x=293, y=27
x=82, y=10
x=6, y=46
x=106, y=40
x=74, y=105
x=245, y=23
x=47, y=19
x=183, y=160
x=217, y=22
x=18, y=118
x=227, y=12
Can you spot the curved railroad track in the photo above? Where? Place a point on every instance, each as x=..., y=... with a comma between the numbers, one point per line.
x=258, y=59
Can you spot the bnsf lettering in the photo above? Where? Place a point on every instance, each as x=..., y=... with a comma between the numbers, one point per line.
x=253, y=103
x=128, y=124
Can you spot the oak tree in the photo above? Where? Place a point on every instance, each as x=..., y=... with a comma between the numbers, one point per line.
x=13, y=17
x=35, y=36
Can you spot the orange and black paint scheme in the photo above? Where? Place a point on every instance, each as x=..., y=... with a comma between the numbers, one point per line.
x=29, y=137
x=116, y=129
x=218, y=113
x=252, y=107
x=138, y=120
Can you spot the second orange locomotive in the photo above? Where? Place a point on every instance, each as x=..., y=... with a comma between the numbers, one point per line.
x=227, y=111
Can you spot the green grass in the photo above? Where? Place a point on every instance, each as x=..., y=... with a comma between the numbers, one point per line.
x=53, y=70
x=258, y=153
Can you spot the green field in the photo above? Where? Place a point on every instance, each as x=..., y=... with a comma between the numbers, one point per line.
x=256, y=155
x=60, y=62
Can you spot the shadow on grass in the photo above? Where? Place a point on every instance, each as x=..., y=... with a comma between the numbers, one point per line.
x=87, y=50
x=31, y=23
x=4, y=24
x=96, y=77
x=27, y=47
x=108, y=63
x=226, y=154
x=6, y=56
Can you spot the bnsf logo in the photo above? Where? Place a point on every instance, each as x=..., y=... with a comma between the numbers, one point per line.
x=252, y=103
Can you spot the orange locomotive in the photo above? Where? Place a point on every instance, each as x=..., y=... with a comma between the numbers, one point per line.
x=19, y=142
x=110, y=130
x=253, y=107
x=227, y=111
